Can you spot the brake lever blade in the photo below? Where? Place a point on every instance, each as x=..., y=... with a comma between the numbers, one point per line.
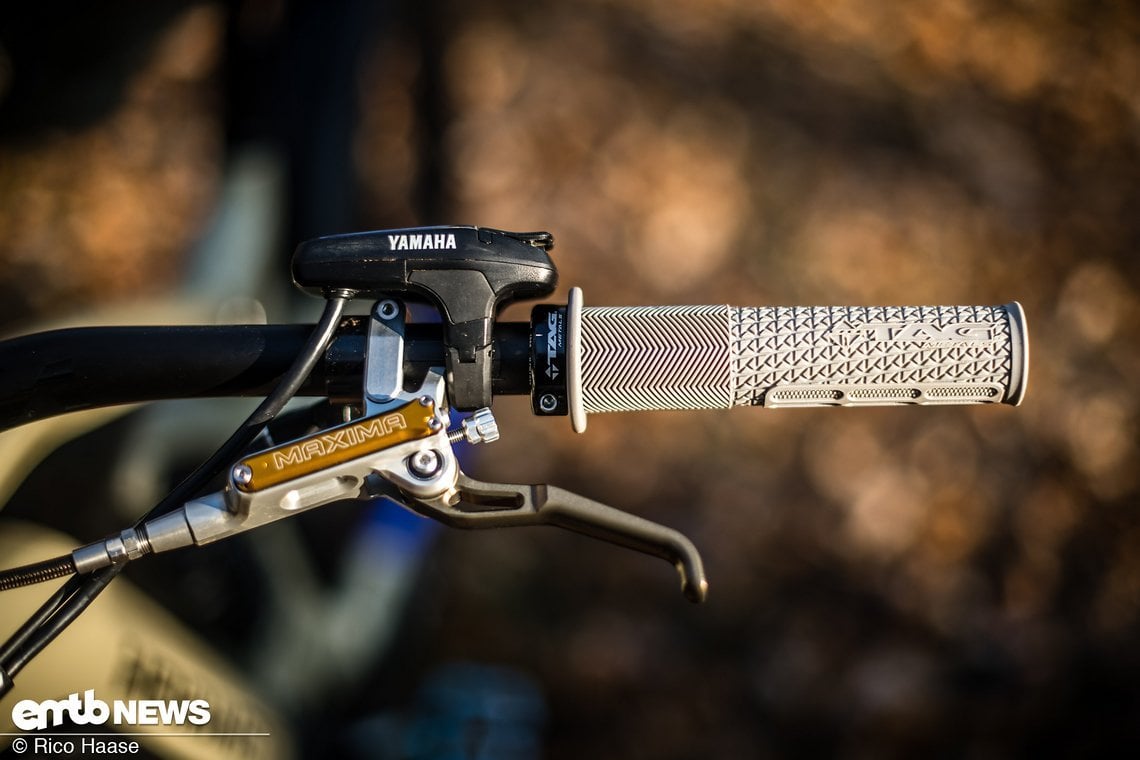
x=503, y=505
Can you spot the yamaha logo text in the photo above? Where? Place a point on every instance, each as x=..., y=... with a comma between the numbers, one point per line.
x=432, y=242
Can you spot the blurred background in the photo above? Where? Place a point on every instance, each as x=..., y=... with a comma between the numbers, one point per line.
x=958, y=581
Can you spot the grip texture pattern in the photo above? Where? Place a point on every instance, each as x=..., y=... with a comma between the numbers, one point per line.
x=701, y=357
x=656, y=357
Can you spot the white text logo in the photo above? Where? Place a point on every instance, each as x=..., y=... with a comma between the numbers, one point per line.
x=437, y=242
x=551, y=344
x=30, y=715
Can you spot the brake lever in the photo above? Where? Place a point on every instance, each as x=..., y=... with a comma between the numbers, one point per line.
x=479, y=504
x=471, y=503
x=400, y=448
x=404, y=453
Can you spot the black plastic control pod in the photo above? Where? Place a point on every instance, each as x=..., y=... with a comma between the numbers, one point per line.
x=468, y=273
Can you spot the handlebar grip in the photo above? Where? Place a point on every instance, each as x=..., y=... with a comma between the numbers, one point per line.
x=707, y=357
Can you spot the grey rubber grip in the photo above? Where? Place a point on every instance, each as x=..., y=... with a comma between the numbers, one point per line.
x=705, y=357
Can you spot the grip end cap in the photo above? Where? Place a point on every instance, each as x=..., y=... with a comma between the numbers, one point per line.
x=1019, y=347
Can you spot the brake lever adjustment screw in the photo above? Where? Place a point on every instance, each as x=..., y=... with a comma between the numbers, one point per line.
x=480, y=427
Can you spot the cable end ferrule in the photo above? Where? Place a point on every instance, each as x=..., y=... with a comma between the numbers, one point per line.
x=170, y=531
x=116, y=550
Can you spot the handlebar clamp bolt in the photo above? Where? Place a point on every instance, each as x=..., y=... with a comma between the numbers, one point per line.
x=387, y=309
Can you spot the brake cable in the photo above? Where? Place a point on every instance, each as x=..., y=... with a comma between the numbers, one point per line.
x=55, y=615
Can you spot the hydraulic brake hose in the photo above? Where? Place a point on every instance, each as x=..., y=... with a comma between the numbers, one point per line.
x=36, y=573
x=60, y=611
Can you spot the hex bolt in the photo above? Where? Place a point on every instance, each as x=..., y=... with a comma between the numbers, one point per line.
x=242, y=474
x=387, y=309
x=424, y=464
x=425, y=400
x=435, y=423
x=547, y=402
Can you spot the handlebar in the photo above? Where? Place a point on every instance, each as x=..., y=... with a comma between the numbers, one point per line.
x=404, y=378
x=60, y=371
x=617, y=359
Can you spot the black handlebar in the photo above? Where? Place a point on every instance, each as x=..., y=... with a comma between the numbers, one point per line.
x=628, y=358
x=60, y=371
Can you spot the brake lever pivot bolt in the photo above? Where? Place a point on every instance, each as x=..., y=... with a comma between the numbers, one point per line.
x=424, y=464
